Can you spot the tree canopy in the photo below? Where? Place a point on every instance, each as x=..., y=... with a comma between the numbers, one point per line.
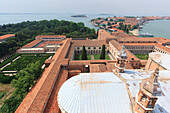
x=23, y=82
x=102, y=56
x=84, y=54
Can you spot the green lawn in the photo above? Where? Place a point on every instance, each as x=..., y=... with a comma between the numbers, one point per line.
x=142, y=56
x=97, y=57
x=22, y=62
x=78, y=57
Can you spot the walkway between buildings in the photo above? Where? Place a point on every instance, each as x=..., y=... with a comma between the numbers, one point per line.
x=92, y=57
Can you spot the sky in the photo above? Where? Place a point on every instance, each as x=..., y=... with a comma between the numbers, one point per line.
x=122, y=7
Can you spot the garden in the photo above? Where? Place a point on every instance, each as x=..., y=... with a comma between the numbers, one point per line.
x=78, y=57
x=142, y=56
x=97, y=57
x=24, y=60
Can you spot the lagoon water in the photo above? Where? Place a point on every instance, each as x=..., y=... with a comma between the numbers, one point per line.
x=15, y=18
x=160, y=28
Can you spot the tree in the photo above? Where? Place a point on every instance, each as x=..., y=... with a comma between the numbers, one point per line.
x=127, y=30
x=102, y=56
x=108, y=23
x=129, y=26
x=97, y=32
x=83, y=55
x=104, y=25
x=111, y=19
x=106, y=19
x=134, y=27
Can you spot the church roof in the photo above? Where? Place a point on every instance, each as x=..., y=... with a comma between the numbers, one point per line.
x=94, y=93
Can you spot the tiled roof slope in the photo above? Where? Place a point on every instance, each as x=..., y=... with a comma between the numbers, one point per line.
x=89, y=43
x=103, y=34
x=33, y=43
x=163, y=47
x=50, y=36
x=118, y=46
x=97, y=68
x=6, y=36
x=37, y=98
x=52, y=105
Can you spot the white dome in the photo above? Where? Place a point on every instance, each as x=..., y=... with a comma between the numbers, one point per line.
x=94, y=93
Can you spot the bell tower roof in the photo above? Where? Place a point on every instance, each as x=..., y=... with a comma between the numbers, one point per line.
x=122, y=53
x=152, y=85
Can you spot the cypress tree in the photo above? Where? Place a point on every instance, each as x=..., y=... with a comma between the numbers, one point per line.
x=83, y=55
x=102, y=56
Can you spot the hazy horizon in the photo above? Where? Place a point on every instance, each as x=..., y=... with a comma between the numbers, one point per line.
x=121, y=7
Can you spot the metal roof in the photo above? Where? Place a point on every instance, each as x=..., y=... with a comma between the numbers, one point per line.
x=94, y=93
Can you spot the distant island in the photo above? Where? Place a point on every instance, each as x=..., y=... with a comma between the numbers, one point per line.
x=79, y=15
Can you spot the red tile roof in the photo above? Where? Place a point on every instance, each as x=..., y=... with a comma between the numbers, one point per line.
x=103, y=34
x=97, y=68
x=50, y=36
x=52, y=104
x=41, y=45
x=88, y=43
x=163, y=47
x=138, y=44
x=36, y=100
x=118, y=46
x=6, y=36
x=54, y=42
x=33, y=43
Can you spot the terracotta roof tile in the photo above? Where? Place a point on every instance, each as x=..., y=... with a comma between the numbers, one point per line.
x=33, y=43
x=6, y=36
x=97, y=68
x=54, y=42
x=88, y=43
x=163, y=47
x=50, y=36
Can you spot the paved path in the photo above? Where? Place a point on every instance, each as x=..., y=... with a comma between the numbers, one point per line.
x=92, y=57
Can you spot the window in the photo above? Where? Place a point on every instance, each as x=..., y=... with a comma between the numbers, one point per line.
x=150, y=102
x=78, y=48
x=88, y=47
x=143, y=99
x=132, y=41
x=99, y=47
x=94, y=48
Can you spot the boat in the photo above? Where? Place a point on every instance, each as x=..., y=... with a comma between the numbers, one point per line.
x=79, y=15
x=146, y=35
